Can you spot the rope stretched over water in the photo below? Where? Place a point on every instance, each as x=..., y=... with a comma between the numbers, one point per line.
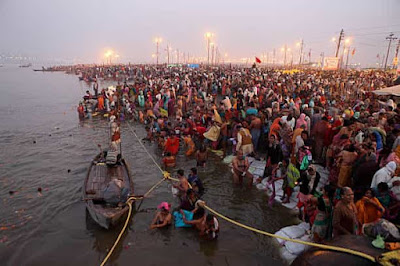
x=166, y=176
x=129, y=201
x=120, y=234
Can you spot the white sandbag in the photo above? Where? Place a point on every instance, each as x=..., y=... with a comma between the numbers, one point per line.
x=304, y=225
x=306, y=238
x=281, y=233
x=260, y=186
x=294, y=231
x=250, y=159
x=294, y=248
x=258, y=172
x=264, y=181
x=291, y=205
x=286, y=255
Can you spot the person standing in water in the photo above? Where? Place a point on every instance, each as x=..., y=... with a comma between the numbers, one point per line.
x=202, y=156
x=163, y=217
x=241, y=169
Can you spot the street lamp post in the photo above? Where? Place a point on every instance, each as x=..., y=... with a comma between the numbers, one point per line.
x=346, y=43
x=347, y=59
x=284, y=49
x=208, y=36
x=157, y=41
x=301, y=44
x=212, y=53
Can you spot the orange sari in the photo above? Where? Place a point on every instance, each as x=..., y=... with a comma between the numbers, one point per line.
x=367, y=213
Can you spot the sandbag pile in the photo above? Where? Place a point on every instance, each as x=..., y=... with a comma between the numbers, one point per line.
x=290, y=250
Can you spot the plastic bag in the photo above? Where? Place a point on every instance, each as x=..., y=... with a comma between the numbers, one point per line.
x=379, y=242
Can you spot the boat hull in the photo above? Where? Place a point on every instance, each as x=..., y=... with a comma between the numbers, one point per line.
x=98, y=177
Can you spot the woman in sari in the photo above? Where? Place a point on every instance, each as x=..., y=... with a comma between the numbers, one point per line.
x=340, y=141
x=322, y=226
x=275, y=127
x=369, y=209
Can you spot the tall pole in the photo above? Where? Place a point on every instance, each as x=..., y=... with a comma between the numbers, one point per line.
x=348, y=53
x=291, y=59
x=390, y=38
x=273, y=57
x=208, y=50
x=284, y=60
x=396, y=54
x=168, y=53
x=216, y=56
x=339, y=41
x=309, y=56
x=157, y=52
x=177, y=56
x=322, y=59
x=301, y=51
x=212, y=54
x=383, y=59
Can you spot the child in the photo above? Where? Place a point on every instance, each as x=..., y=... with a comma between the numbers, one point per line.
x=289, y=182
x=149, y=136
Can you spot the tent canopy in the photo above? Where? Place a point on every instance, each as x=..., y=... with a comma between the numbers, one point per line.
x=395, y=90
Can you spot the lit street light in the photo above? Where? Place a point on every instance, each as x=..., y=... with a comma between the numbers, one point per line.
x=157, y=40
x=300, y=44
x=212, y=52
x=285, y=49
x=108, y=55
x=208, y=36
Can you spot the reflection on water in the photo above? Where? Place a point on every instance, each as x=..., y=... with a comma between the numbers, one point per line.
x=44, y=146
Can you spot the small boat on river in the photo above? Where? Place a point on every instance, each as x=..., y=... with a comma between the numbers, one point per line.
x=99, y=178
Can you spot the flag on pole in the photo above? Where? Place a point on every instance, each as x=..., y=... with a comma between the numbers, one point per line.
x=353, y=52
x=258, y=60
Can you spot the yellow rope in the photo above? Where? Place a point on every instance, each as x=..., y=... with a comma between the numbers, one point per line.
x=120, y=234
x=129, y=202
x=140, y=142
x=166, y=176
x=346, y=250
x=322, y=246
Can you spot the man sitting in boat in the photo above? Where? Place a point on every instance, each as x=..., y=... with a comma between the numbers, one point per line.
x=115, y=194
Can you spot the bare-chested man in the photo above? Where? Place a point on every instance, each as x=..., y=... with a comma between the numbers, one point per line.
x=202, y=156
x=241, y=169
x=255, y=129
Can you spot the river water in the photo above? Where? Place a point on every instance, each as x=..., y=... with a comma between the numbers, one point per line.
x=43, y=145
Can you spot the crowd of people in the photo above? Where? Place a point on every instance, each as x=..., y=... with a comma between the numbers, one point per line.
x=293, y=119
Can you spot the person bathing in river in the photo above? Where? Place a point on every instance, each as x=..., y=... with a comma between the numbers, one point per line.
x=169, y=160
x=201, y=156
x=207, y=225
x=163, y=217
x=195, y=181
x=183, y=184
x=241, y=169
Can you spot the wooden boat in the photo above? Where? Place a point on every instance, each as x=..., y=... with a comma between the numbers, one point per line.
x=97, y=179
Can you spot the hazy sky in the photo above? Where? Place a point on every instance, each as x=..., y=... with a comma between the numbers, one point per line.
x=83, y=29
